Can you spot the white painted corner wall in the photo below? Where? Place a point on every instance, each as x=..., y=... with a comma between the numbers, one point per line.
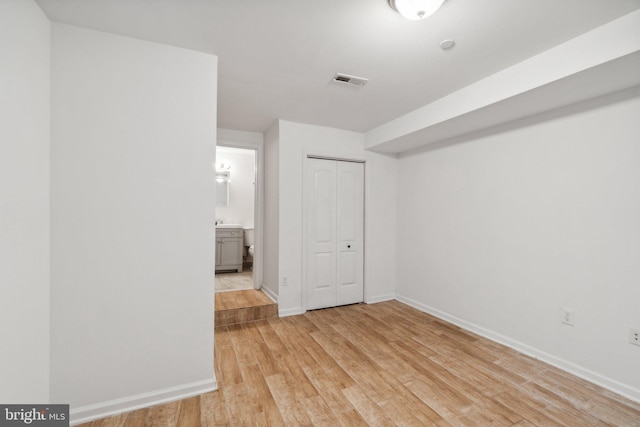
x=24, y=202
x=271, y=256
x=502, y=231
x=132, y=221
x=294, y=142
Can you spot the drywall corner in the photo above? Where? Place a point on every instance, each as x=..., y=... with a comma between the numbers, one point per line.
x=25, y=36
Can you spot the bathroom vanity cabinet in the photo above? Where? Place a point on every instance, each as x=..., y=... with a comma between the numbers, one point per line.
x=229, y=245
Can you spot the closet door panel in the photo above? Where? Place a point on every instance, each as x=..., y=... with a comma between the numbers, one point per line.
x=321, y=233
x=350, y=222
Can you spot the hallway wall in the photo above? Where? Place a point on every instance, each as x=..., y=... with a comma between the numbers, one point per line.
x=133, y=198
x=24, y=202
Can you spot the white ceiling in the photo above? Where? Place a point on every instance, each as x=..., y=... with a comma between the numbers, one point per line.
x=277, y=57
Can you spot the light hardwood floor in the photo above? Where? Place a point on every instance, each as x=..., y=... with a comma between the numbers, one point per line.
x=243, y=306
x=241, y=299
x=383, y=364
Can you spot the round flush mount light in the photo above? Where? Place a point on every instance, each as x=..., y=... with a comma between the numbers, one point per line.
x=415, y=9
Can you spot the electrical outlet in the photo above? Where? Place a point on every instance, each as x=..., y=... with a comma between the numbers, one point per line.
x=568, y=316
x=634, y=336
x=285, y=281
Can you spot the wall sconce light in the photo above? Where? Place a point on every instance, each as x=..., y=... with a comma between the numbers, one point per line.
x=415, y=9
x=223, y=167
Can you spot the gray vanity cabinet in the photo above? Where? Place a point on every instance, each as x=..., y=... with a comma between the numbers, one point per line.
x=229, y=245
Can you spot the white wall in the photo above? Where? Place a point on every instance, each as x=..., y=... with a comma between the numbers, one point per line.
x=241, y=187
x=295, y=141
x=24, y=202
x=133, y=197
x=271, y=252
x=502, y=230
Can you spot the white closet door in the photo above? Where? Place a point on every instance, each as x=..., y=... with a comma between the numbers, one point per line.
x=350, y=224
x=321, y=233
x=334, y=199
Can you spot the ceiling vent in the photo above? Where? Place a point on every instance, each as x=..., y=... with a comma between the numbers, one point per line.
x=350, y=80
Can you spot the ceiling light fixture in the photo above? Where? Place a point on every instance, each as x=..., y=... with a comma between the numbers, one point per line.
x=415, y=9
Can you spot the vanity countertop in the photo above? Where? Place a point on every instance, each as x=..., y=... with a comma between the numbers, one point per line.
x=229, y=226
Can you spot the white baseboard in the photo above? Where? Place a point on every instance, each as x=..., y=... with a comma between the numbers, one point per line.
x=380, y=298
x=625, y=390
x=270, y=293
x=109, y=408
x=291, y=312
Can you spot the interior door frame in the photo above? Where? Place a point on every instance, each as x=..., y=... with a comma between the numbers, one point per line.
x=330, y=156
x=251, y=141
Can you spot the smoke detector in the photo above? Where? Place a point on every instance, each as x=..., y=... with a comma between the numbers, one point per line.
x=447, y=44
x=350, y=80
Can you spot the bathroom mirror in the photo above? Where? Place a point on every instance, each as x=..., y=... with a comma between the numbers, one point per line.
x=222, y=188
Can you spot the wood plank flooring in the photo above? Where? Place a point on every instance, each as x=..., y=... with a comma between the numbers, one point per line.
x=241, y=299
x=243, y=306
x=384, y=364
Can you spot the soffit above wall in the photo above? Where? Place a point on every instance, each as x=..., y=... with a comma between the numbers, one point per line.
x=602, y=61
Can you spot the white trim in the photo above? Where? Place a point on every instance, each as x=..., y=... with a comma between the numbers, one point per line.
x=586, y=374
x=334, y=158
x=270, y=294
x=240, y=136
x=303, y=235
x=326, y=155
x=291, y=312
x=109, y=408
x=220, y=291
x=380, y=298
x=251, y=141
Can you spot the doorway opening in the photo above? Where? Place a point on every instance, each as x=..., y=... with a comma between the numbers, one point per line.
x=238, y=217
